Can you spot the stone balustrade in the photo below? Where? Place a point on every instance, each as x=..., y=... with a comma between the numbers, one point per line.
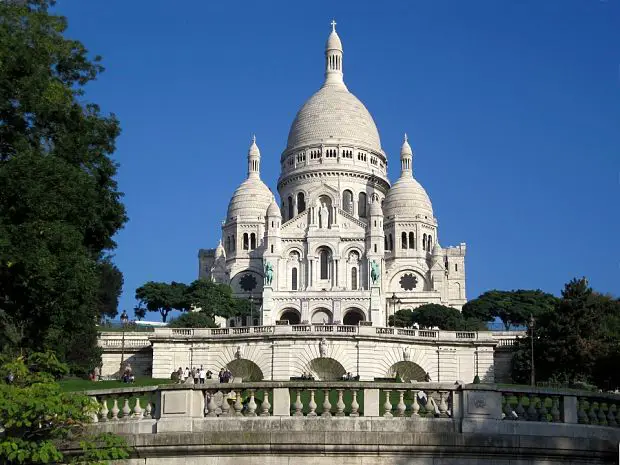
x=375, y=331
x=369, y=422
x=359, y=399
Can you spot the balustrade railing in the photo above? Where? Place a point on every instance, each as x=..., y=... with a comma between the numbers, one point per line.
x=354, y=399
x=124, y=404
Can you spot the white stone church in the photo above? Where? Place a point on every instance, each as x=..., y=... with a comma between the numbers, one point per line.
x=344, y=245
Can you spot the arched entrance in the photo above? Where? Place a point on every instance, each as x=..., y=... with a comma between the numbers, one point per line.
x=245, y=369
x=326, y=369
x=408, y=371
x=322, y=316
x=291, y=315
x=353, y=316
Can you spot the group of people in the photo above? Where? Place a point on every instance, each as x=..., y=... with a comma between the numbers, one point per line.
x=307, y=376
x=225, y=375
x=199, y=375
x=349, y=377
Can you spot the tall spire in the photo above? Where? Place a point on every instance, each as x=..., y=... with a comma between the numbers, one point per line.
x=333, y=58
x=406, y=158
x=253, y=159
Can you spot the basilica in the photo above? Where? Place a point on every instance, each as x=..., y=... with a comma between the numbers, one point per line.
x=343, y=245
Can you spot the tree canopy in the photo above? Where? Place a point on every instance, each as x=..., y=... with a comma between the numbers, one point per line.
x=59, y=203
x=513, y=308
x=578, y=340
x=211, y=298
x=434, y=315
x=38, y=419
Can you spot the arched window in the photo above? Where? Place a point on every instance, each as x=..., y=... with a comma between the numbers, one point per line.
x=301, y=203
x=272, y=249
x=404, y=240
x=411, y=241
x=246, y=241
x=385, y=244
x=456, y=267
x=375, y=249
x=354, y=278
x=294, y=279
x=429, y=243
x=347, y=201
x=228, y=243
x=424, y=242
x=252, y=241
x=361, y=207
x=234, y=244
x=391, y=242
x=324, y=264
x=291, y=213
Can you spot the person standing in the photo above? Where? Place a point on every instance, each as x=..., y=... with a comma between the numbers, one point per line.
x=202, y=375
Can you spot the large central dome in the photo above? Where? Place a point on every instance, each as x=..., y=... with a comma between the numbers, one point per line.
x=334, y=114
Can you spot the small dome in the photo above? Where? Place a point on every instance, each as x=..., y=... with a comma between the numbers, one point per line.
x=375, y=208
x=273, y=209
x=334, y=114
x=436, y=249
x=407, y=199
x=219, y=250
x=406, y=148
x=250, y=200
x=333, y=42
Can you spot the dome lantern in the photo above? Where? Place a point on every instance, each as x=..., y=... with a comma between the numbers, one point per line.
x=406, y=158
x=333, y=59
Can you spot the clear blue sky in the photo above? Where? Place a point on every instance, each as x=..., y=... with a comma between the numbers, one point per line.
x=512, y=108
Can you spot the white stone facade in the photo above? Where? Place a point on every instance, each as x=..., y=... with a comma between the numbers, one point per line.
x=337, y=218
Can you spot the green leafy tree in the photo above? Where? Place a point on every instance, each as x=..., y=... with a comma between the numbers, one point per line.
x=110, y=288
x=59, y=202
x=39, y=421
x=434, y=315
x=162, y=297
x=513, y=308
x=193, y=320
x=578, y=341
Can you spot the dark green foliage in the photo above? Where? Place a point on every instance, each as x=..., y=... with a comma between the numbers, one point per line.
x=211, y=298
x=59, y=202
x=578, y=341
x=433, y=315
x=193, y=320
x=110, y=288
x=512, y=307
x=162, y=298
x=40, y=420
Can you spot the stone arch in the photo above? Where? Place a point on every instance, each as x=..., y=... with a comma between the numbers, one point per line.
x=291, y=314
x=245, y=369
x=352, y=316
x=322, y=315
x=326, y=369
x=408, y=371
x=293, y=248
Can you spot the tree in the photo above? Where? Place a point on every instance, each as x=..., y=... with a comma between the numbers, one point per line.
x=193, y=320
x=578, y=340
x=59, y=202
x=434, y=315
x=110, y=288
x=162, y=297
x=39, y=420
x=514, y=308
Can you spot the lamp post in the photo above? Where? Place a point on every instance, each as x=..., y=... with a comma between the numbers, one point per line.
x=395, y=300
x=124, y=320
x=251, y=310
x=532, y=369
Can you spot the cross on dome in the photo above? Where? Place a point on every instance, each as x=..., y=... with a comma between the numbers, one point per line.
x=333, y=23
